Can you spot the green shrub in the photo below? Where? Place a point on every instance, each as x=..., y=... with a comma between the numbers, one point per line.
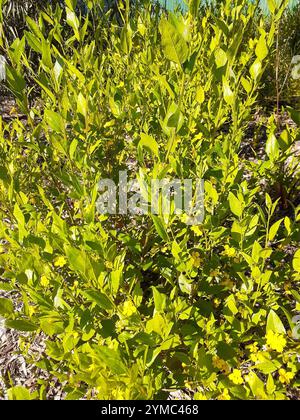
x=136, y=307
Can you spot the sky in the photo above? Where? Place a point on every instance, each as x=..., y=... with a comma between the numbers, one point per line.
x=172, y=3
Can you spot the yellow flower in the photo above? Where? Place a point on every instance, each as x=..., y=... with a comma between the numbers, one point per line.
x=188, y=385
x=236, y=377
x=228, y=251
x=258, y=357
x=76, y=205
x=217, y=362
x=60, y=262
x=197, y=230
x=118, y=394
x=253, y=348
x=109, y=265
x=31, y=310
x=220, y=364
x=128, y=308
x=227, y=283
x=200, y=397
x=120, y=325
x=254, y=357
x=44, y=281
x=214, y=273
x=276, y=341
x=13, y=111
x=197, y=260
x=285, y=377
x=217, y=302
x=224, y=396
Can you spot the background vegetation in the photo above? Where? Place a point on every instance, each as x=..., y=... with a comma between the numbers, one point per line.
x=139, y=307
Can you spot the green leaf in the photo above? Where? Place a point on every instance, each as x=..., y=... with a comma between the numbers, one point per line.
x=33, y=42
x=184, y=284
x=295, y=115
x=158, y=325
x=268, y=201
x=267, y=366
x=160, y=300
x=16, y=51
x=270, y=386
x=34, y=27
x=73, y=22
x=230, y=309
x=255, y=70
x=71, y=4
x=152, y=355
x=82, y=105
x=52, y=324
x=296, y=294
x=46, y=55
x=296, y=261
x=111, y=358
x=15, y=81
x=261, y=50
x=4, y=175
x=55, y=121
x=19, y=215
x=194, y=7
x=21, y=222
x=173, y=43
x=116, y=279
x=272, y=5
x=285, y=140
x=225, y=351
x=200, y=95
x=160, y=228
x=80, y=262
x=73, y=147
x=6, y=306
x=235, y=205
x=228, y=93
x=6, y=286
x=272, y=147
x=43, y=84
x=274, y=229
x=126, y=39
x=100, y=299
x=181, y=25
x=256, y=250
x=274, y=323
x=256, y=385
x=21, y=325
x=246, y=84
x=220, y=57
x=19, y=393
x=173, y=120
x=147, y=142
